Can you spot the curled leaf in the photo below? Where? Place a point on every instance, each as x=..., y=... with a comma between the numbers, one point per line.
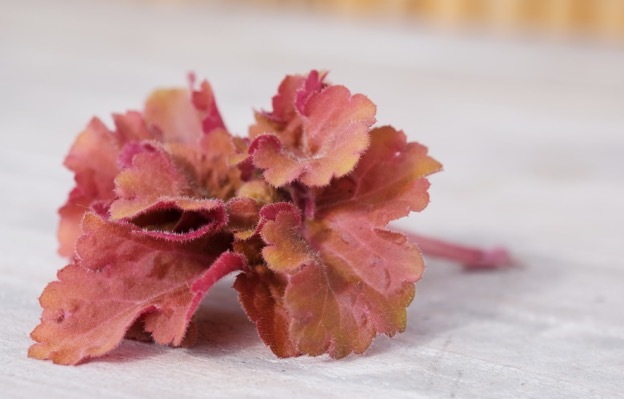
x=388, y=183
x=286, y=249
x=122, y=273
x=327, y=133
x=346, y=279
x=261, y=293
x=93, y=159
x=183, y=115
x=151, y=173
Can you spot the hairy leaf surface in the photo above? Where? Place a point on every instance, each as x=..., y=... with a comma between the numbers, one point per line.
x=122, y=273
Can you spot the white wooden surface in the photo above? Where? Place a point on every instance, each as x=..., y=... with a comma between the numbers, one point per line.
x=531, y=135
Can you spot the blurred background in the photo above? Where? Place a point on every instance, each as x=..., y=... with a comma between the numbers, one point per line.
x=521, y=100
x=598, y=18
x=594, y=17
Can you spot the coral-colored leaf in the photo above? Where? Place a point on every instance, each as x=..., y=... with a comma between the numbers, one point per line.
x=211, y=163
x=131, y=127
x=93, y=159
x=258, y=190
x=293, y=94
x=121, y=274
x=71, y=214
x=204, y=101
x=324, y=138
x=150, y=175
x=388, y=182
x=279, y=166
x=152, y=171
x=181, y=219
x=284, y=101
x=335, y=315
x=348, y=280
x=183, y=115
x=261, y=293
x=313, y=84
x=381, y=259
x=244, y=216
x=286, y=250
x=173, y=113
x=336, y=126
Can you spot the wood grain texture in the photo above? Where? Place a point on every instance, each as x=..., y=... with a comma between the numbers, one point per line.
x=530, y=134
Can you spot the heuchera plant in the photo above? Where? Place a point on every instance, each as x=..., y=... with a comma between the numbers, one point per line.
x=169, y=202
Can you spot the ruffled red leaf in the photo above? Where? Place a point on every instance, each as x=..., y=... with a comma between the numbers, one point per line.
x=121, y=273
x=261, y=293
x=388, y=183
x=183, y=115
x=204, y=101
x=211, y=164
x=94, y=159
x=286, y=250
x=346, y=278
x=324, y=138
x=150, y=174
